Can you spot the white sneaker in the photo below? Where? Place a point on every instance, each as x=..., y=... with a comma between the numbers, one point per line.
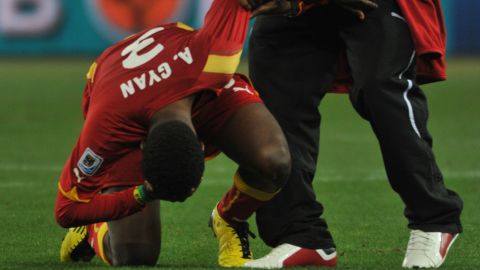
x=287, y=255
x=427, y=249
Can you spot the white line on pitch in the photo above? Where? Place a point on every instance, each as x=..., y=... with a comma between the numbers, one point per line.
x=29, y=168
x=381, y=176
x=329, y=176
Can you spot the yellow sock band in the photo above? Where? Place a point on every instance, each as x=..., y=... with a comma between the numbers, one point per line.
x=251, y=191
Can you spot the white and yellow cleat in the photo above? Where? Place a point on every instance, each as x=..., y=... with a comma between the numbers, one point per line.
x=233, y=245
x=75, y=246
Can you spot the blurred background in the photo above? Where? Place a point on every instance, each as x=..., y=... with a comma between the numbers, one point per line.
x=65, y=27
x=86, y=27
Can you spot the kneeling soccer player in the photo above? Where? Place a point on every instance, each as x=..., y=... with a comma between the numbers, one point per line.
x=149, y=102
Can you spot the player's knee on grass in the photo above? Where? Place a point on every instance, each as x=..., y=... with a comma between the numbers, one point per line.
x=134, y=254
x=272, y=167
x=134, y=240
x=173, y=161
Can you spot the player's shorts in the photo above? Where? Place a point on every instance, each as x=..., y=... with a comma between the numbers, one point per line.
x=215, y=113
x=210, y=114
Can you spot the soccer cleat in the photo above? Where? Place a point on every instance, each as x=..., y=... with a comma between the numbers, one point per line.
x=427, y=249
x=233, y=244
x=75, y=246
x=287, y=255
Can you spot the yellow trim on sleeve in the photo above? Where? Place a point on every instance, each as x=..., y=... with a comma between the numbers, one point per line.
x=250, y=191
x=72, y=194
x=222, y=63
x=91, y=72
x=184, y=26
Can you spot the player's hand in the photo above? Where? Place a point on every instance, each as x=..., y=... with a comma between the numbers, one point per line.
x=148, y=188
x=148, y=192
x=357, y=7
x=251, y=4
x=259, y=7
x=273, y=7
x=151, y=192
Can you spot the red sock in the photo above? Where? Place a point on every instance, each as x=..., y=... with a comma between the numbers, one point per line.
x=96, y=234
x=241, y=201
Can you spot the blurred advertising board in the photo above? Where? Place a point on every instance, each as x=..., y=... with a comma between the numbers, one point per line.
x=85, y=26
x=77, y=27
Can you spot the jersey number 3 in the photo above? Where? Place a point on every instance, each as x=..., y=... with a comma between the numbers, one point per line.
x=134, y=59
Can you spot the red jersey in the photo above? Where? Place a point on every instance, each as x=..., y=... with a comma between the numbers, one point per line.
x=137, y=77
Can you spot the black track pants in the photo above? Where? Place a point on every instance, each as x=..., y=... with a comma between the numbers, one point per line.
x=292, y=63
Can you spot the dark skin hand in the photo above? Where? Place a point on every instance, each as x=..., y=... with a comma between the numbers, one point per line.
x=251, y=4
x=357, y=7
x=273, y=7
x=260, y=7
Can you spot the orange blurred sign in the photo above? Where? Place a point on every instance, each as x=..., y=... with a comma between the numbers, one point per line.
x=114, y=19
x=86, y=26
x=133, y=15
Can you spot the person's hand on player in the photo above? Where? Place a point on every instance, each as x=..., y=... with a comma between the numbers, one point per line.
x=293, y=7
x=357, y=7
x=273, y=7
x=250, y=4
x=260, y=7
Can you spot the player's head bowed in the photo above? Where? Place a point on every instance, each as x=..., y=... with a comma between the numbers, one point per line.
x=173, y=161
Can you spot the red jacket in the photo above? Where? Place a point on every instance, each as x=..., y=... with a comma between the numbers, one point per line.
x=425, y=18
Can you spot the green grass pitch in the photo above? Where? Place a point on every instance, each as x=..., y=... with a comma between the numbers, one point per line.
x=40, y=118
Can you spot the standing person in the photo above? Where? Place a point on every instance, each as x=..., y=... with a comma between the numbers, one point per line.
x=149, y=104
x=390, y=52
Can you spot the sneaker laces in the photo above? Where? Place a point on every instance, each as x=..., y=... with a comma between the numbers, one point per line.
x=242, y=231
x=420, y=240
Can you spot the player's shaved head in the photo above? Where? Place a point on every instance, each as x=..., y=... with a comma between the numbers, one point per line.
x=173, y=161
